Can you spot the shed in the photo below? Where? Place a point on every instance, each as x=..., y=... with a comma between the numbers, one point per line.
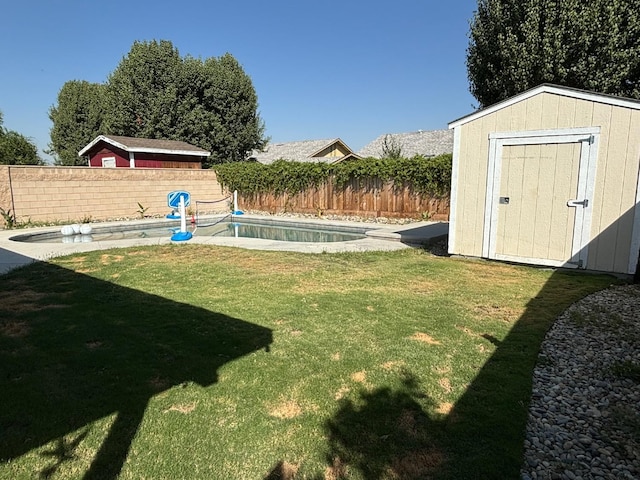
x=549, y=177
x=429, y=143
x=130, y=152
x=326, y=151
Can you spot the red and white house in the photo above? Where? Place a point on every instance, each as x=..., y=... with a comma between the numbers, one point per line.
x=127, y=152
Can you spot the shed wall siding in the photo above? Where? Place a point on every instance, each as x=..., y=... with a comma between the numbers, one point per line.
x=616, y=175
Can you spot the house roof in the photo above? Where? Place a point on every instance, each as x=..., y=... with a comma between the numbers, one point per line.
x=147, y=145
x=302, y=151
x=428, y=143
x=553, y=89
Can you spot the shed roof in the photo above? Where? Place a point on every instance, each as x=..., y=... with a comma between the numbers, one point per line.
x=147, y=145
x=428, y=143
x=553, y=89
x=301, y=151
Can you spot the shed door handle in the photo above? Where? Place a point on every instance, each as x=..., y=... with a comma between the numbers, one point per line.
x=575, y=203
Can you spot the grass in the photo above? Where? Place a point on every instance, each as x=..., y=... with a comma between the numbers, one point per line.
x=187, y=361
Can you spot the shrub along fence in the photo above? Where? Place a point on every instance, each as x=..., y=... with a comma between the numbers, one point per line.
x=367, y=197
x=409, y=188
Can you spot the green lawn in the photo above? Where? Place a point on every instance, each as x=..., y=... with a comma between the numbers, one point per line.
x=188, y=361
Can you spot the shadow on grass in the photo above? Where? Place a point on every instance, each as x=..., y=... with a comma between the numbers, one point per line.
x=384, y=434
x=74, y=349
x=389, y=434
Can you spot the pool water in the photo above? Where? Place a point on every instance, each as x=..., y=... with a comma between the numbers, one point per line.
x=277, y=233
x=271, y=231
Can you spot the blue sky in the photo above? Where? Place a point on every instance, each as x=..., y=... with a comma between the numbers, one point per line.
x=322, y=69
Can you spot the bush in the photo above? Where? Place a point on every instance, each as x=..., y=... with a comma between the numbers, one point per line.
x=427, y=176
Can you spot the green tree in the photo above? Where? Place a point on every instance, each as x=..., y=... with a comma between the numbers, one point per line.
x=232, y=109
x=77, y=119
x=391, y=147
x=156, y=93
x=142, y=93
x=518, y=44
x=16, y=149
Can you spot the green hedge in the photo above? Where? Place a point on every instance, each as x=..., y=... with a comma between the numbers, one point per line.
x=427, y=176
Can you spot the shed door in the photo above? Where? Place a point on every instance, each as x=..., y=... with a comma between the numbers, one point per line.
x=541, y=188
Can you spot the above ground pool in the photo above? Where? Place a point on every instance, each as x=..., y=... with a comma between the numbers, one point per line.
x=248, y=228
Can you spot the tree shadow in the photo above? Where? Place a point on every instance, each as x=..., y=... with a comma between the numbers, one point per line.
x=394, y=433
x=482, y=436
x=75, y=349
x=385, y=433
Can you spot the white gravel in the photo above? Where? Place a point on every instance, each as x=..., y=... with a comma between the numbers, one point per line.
x=584, y=418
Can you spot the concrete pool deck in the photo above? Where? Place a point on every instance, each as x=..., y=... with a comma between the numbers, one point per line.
x=380, y=237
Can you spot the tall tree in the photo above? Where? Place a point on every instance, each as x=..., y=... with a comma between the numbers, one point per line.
x=77, y=119
x=156, y=93
x=232, y=107
x=16, y=149
x=518, y=44
x=142, y=93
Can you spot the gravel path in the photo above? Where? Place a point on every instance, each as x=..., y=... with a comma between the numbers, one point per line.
x=584, y=418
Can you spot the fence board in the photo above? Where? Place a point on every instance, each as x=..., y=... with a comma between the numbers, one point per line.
x=360, y=197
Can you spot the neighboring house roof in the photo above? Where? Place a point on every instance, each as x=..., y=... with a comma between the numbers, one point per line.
x=147, y=145
x=554, y=89
x=304, y=151
x=429, y=143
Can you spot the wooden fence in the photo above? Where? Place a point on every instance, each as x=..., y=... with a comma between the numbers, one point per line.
x=361, y=197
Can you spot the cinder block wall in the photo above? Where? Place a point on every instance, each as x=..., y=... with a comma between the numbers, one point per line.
x=43, y=194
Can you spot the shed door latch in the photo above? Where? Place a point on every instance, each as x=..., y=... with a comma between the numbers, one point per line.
x=578, y=203
x=504, y=200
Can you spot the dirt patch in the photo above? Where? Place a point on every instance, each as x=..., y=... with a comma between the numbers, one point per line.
x=359, y=377
x=444, y=408
x=418, y=464
x=135, y=253
x=296, y=333
x=283, y=471
x=445, y=384
x=336, y=357
x=14, y=329
x=336, y=471
x=80, y=259
x=107, y=259
x=184, y=408
x=285, y=410
x=467, y=330
x=424, y=338
x=342, y=392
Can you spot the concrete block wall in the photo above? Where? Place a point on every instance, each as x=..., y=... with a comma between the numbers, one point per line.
x=70, y=194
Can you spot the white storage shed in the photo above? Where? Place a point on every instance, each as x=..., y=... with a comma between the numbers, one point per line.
x=549, y=177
